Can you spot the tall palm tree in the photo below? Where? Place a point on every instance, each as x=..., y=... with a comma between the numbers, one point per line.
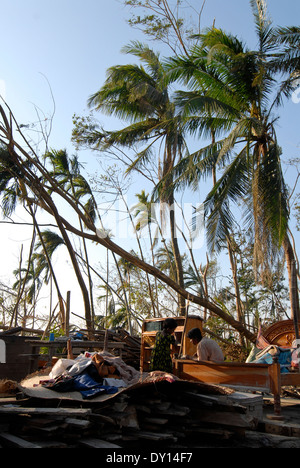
x=140, y=95
x=232, y=94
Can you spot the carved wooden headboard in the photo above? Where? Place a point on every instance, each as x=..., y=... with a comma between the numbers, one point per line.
x=281, y=333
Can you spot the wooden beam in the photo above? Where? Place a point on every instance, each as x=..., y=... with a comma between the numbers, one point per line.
x=17, y=442
x=227, y=373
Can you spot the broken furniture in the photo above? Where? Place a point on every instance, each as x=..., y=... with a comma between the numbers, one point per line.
x=152, y=326
x=252, y=376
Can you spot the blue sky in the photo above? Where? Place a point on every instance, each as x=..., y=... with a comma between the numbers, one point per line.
x=69, y=44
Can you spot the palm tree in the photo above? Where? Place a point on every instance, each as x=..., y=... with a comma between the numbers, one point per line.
x=286, y=58
x=145, y=217
x=140, y=95
x=127, y=268
x=36, y=178
x=29, y=283
x=13, y=191
x=232, y=94
x=48, y=244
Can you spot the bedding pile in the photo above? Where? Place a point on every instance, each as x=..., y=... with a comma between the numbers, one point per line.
x=91, y=374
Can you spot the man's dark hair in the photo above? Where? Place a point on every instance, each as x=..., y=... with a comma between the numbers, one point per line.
x=170, y=323
x=195, y=333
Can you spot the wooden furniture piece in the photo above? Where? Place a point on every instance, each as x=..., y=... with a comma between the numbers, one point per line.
x=239, y=376
x=281, y=333
x=152, y=326
x=248, y=376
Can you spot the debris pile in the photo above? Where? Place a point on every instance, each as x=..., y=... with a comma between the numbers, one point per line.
x=159, y=409
x=134, y=411
x=132, y=344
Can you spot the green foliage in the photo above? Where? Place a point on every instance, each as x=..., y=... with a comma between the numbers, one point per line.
x=227, y=93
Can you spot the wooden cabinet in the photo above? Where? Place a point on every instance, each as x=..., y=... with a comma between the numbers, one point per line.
x=152, y=326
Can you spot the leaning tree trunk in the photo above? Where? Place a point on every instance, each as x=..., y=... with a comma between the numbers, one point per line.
x=45, y=202
x=84, y=291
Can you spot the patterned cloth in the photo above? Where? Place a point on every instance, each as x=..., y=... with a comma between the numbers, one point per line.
x=161, y=357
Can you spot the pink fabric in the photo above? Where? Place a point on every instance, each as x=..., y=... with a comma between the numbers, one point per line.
x=261, y=342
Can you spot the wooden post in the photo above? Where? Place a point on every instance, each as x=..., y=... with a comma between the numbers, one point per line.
x=70, y=350
x=183, y=334
x=67, y=324
x=105, y=345
x=295, y=298
x=274, y=373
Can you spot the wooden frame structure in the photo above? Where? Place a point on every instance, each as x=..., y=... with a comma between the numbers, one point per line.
x=251, y=376
x=151, y=326
x=241, y=376
x=265, y=378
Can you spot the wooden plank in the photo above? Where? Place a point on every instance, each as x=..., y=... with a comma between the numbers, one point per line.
x=75, y=344
x=78, y=423
x=262, y=440
x=159, y=421
x=142, y=408
x=290, y=379
x=174, y=411
x=63, y=412
x=230, y=373
x=286, y=428
x=47, y=430
x=155, y=436
x=223, y=418
x=203, y=399
x=98, y=443
x=17, y=442
x=47, y=444
x=102, y=418
x=209, y=432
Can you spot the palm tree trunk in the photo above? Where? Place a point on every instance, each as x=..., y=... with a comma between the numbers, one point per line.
x=142, y=254
x=84, y=291
x=62, y=313
x=177, y=257
x=292, y=277
x=82, y=285
x=238, y=303
x=90, y=282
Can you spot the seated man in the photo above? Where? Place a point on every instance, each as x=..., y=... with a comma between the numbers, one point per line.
x=207, y=349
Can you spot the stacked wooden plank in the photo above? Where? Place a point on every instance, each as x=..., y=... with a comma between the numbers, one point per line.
x=132, y=344
x=178, y=414
x=148, y=415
